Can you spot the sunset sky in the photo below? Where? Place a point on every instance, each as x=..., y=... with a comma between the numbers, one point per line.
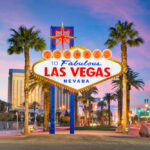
x=91, y=20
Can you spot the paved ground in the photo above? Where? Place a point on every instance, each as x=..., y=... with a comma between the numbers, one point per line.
x=134, y=132
x=75, y=142
x=82, y=140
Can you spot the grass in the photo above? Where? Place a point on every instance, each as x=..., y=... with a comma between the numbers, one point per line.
x=101, y=128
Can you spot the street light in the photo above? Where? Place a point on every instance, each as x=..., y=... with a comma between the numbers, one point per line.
x=139, y=110
x=63, y=106
x=146, y=106
x=17, y=120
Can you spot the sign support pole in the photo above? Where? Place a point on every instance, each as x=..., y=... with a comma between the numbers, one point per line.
x=52, y=110
x=71, y=113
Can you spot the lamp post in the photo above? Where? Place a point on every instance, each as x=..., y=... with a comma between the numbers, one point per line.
x=146, y=107
x=17, y=120
x=139, y=112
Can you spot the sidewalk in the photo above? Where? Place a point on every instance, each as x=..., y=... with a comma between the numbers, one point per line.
x=62, y=130
x=4, y=132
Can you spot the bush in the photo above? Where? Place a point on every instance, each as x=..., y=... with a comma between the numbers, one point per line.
x=40, y=120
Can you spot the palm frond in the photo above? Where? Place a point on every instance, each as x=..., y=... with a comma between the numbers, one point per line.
x=24, y=37
x=135, y=42
x=123, y=31
x=110, y=43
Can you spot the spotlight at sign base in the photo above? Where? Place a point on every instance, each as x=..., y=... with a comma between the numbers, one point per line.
x=107, y=53
x=47, y=54
x=57, y=54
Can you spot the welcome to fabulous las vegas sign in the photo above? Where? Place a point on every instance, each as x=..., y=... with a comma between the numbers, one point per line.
x=77, y=68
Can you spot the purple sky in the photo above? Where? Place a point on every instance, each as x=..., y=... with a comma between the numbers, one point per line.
x=91, y=20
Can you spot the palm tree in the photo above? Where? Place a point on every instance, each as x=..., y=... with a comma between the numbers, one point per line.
x=118, y=96
x=87, y=96
x=91, y=91
x=21, y=41
x=3, y=106
x=102, y=104
x=124, y=33
x=132, y=82
x=105, y=116
x=34, y=104
x=46, y=90
x=108, y=97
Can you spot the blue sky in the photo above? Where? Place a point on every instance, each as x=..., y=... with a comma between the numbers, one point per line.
x=91, y=20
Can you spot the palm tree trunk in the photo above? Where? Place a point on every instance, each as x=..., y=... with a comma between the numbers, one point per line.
x=109, y=113
x=85, y=115
x=121, y=106
x=26, y=89
x=46, y=110
x=128, y=104
x=124, y=65
x=89, y=113
x=102, y=118
x=34, y=113
x=76, y=109
x=119, y=112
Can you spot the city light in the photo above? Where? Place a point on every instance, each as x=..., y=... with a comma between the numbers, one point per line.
x=146, y=106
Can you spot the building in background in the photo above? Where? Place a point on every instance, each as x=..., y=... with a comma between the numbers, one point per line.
x=16, y=90
x=16, y=93
x=62, y=99
x=115, y=116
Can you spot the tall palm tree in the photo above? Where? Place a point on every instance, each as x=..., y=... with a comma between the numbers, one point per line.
x=108, y=97
x=21, y=41
x=124, y=33
x=87, y=96
x=46, y=90
x=102, y=104
x=132, y=82
x=118, y=96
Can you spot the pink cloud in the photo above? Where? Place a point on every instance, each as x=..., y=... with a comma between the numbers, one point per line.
x=1, y=35
x=15, y=14
x=104, y=88
x=135, y=102
x=147, y=86
x=126, y=10
x=3, y=53
x=7, y=64
x=101, y=7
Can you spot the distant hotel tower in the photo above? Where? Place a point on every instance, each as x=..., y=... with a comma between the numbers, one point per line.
x=62, y=99
x=16, y=92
